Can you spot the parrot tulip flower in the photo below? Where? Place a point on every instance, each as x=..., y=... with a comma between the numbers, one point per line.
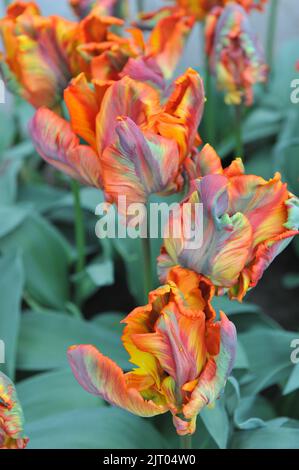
x=183, y=357
x=163, y=49
x=82, y=8
x=199, y=9
x=247, y=221
x=11, y=417
x=236, y=58
x=134, y=144
x=44, y=53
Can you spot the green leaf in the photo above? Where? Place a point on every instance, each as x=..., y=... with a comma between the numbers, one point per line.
x=98, y=274
x=231, y=307
x=283, y=74
x=267, y=438
x=9, y=170
x=42, y=196
x=261, y=123
x=254, y=412
x=45, y=338
x=268, y=353
x=11, y=286
x=216, y=422
x=103, y=428
x=52, y=393
x=241, y=361
x=287, y=150
x=261, y=162
x=11, y=217
x=46, y=257
x=293, y=381
x=7, y=129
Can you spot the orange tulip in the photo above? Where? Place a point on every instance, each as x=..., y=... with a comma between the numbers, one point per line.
x=199, y=9
x=235, y=55
x=182, y=356
x=246, y=221
x=44, y=53
x=134, y=144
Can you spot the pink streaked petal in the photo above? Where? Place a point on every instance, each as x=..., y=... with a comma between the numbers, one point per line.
x=125, y=97
x=267, y=252
x=145, y=69
x=214, y=376
x=207, y=162
x=227, y=240
x=262, y=202
x=138, y=164
x=56, y=143
x=100, y=376
x=178, y=343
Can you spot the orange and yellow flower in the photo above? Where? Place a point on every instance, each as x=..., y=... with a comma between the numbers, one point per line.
x=134, y=144
x=236, y=57
x=82, y=8
x=44, y=53
x=11, y=417
x=182, y=355
x=246, y=222
x=199, y=9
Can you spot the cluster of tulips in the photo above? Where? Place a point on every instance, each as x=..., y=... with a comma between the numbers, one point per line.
x=108, y=116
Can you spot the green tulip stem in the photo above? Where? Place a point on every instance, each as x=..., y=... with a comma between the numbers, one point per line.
x=209, y=106
x=147, y=262
x=186, y=442
x=79, y=227
x=271, y=32
x=79, y=223
x=238, y=132
x=209, y=110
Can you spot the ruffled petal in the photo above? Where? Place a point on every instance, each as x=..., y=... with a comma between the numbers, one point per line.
x=83, y=7
x=167, y=40
x=56, y=143
x=34, y=54
x=226, y=240
x=139, y=164
x=183, y=111
x=178, y=343
x=99, y=375
x=267, y=252
x=207, y=162
x=262, y=202
x=146, y=70
x=216, y=371
x=83, y=107
x=129, y=98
